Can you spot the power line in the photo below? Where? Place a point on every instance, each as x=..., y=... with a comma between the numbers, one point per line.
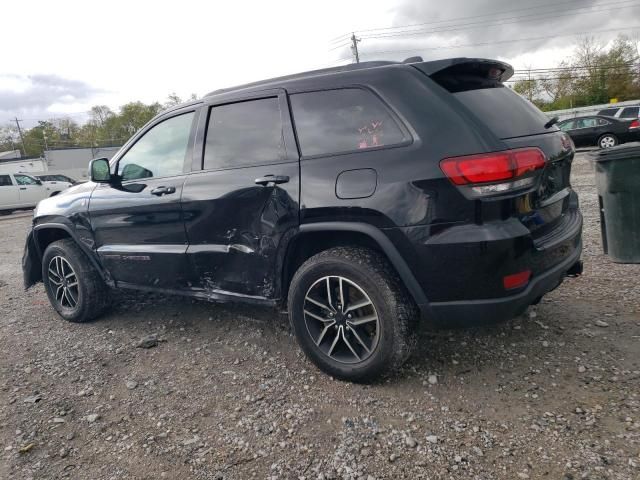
x=497, y=42
x=505, y=21
x=492, y=14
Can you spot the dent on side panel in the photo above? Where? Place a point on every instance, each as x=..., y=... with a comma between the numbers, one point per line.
x=235, y=231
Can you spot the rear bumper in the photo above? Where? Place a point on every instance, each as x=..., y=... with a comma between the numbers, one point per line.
x=487, y=311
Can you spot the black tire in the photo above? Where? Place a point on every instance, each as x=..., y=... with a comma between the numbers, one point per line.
x=397, y=314
x=91, y=293
x=608, y=140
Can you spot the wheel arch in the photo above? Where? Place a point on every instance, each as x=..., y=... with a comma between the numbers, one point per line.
x=313, y=238
x=46, y=233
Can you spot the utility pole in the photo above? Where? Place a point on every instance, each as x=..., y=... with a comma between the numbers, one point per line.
x=24, y=150
x=354, y=46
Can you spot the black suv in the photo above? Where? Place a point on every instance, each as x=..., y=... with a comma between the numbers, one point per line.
x=363, y=197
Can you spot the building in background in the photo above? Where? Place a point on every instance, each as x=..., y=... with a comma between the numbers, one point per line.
x=24, y=165
x=590, y=110
x=10, y=155
x=74, y=162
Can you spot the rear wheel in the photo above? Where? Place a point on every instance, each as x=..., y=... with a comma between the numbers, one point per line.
x=74, y=287
x=607, y=140
x=351, y=315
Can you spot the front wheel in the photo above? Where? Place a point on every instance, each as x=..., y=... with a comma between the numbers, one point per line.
x=351, y=315
x=607, y=140
x=74, y=287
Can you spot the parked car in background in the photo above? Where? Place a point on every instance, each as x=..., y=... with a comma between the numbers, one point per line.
x=364, y=197
x=56, y=177
x=20, y=191
x=56, y=183
x=628, y=112
x=600, y=131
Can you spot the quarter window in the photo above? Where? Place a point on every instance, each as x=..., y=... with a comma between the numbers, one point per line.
x=586, y=123
x=160, y=152
x=243, y=134
x=25, y=180
x=5, y=181
x=345, y=120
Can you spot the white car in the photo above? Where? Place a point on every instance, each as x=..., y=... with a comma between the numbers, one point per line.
x=56, y=183
x=19, y=191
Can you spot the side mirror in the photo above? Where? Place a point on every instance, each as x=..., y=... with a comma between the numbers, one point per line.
x=99, y=171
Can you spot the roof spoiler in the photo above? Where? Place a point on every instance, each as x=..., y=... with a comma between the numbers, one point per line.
x=482, y=67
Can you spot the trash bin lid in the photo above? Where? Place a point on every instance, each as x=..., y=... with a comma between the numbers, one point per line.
x=621, y=152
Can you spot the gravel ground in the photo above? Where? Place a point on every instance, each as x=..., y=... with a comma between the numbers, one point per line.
x=227, y=394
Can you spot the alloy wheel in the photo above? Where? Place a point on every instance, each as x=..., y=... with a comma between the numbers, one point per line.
x=607, y=142
x=341, y=319
x=64, y=282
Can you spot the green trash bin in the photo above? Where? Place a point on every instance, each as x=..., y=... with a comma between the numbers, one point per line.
x=618, y=183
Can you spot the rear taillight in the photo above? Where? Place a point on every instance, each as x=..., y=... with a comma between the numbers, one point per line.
x=634, y=124
x=494, y=173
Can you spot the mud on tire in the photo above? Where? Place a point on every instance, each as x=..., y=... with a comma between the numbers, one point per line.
x=74, y=287
x=365, y=348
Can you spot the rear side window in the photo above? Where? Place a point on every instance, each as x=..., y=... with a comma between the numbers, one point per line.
x=505, y=112
x=345, y=120
x=244, y=134
x=5, y=181
x=630, y=112
x=608, y=112
x=586, y=123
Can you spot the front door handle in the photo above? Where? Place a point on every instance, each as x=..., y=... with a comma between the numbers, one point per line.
x=159, y=191
x=271, y=180
x=23, y=188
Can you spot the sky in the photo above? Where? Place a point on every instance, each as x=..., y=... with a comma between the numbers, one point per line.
x=62, y=57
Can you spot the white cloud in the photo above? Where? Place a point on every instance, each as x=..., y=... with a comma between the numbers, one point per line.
x=121, y=51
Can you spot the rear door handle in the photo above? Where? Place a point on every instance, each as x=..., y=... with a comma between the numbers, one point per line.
x=159, y=191
x=23, y=188
x=271, y=179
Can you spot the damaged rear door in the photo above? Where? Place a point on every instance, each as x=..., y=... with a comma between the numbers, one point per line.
x=243, y=195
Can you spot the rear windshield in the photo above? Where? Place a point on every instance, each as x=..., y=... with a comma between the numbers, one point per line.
x=505, y=112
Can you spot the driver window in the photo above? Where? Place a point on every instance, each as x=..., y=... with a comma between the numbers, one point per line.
x=160, y=152
x=25, y=180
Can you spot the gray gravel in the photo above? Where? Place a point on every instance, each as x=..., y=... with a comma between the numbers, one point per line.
x=223, y=392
